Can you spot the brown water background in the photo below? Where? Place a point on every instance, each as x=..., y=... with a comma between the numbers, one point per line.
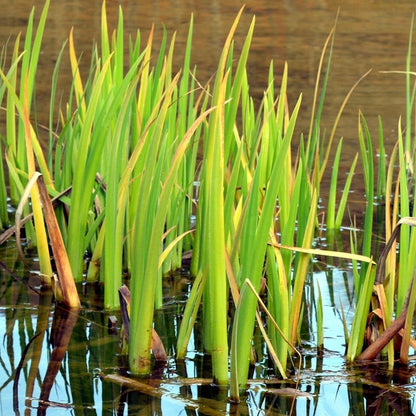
x=369, y=35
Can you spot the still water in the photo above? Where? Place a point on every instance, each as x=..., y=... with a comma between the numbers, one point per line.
x=369, y=35
x=372, y=34
x=51, y=361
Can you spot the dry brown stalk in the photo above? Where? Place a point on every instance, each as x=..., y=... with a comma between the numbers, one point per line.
x=65, y=276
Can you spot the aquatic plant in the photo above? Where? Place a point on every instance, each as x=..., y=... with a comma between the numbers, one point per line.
x=256, y=208
x=393, y=296
x=22, y=146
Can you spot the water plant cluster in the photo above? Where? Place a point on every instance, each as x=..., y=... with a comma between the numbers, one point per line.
x=144, y=164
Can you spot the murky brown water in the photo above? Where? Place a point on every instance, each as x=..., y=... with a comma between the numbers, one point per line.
x=370, y=34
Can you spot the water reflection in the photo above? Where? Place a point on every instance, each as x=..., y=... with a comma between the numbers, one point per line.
x=46, y=370
x=61, y=333
x=382, y=392
x=48, y=355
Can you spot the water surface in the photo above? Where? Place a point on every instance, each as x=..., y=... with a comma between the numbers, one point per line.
x=51, y=361
x=369, y=35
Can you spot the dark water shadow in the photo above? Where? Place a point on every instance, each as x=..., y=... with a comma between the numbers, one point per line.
x=62, y=327
x=63, y=323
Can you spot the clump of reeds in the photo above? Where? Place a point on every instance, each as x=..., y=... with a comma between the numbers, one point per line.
x=383, y=323
x=126, y=155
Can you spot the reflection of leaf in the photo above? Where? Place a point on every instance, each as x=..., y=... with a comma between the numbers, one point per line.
x=160, y=392
x=289, y=391
x=62, y=327
x=17, y=374
x=42, y=325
